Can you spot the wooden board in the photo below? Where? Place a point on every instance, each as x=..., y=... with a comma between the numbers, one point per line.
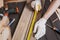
x=14, y=0
x=28, y=1
x=23, y=25
x=58, y=13
x=1, y=3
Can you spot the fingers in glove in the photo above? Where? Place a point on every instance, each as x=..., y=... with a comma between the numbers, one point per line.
x=41, y=32
x=35, y=28
x=33, y=4
x=37, y=34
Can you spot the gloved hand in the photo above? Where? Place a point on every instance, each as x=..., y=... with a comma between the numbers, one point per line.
x=40, y=25
x=5, y=21
x=6, y=34
x=36, y=5
x=4, y=28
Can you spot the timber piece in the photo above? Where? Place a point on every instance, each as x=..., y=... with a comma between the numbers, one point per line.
x=23, y=25
x=29, y=1
x=9, y=1
x=58, y=13
x=1, y=3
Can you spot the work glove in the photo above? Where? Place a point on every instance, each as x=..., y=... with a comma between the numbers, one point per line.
x=6, y=34
x=40, y=27
x=36, y=5
x=4, y=22
x=4, y=28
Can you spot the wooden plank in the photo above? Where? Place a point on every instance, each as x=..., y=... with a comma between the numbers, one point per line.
x=1, y=3
x=58, y=13
x=28, y=1
x=23, y=25
x=14, y=1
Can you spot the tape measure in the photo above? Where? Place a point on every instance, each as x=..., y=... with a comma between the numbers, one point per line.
x=33, y=22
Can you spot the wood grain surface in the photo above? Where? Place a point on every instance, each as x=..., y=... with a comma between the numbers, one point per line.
x=23, y=25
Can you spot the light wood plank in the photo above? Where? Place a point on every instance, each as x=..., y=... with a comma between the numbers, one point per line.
x=15, y=1
x=1, y=3
x=23, y=25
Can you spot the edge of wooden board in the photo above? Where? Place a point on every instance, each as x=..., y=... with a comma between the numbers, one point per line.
x=23, y=25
